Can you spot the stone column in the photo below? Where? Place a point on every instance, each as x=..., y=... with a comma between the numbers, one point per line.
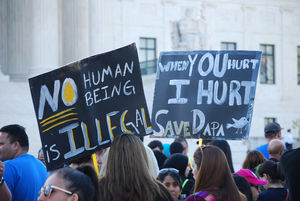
x=75, y=30
x=101, y=26
x=3, y=37
x=19, y=39
x=45, y=48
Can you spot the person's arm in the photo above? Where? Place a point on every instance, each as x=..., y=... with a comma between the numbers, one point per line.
x=5, y=194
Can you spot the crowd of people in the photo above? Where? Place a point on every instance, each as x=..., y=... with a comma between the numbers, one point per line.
x=129, y=170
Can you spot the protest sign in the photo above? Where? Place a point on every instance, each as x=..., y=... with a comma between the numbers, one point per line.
x=82, y=106
x=205, y=94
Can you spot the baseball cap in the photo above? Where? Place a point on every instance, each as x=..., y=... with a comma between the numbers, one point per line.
x=272, y=127
x=251, y=177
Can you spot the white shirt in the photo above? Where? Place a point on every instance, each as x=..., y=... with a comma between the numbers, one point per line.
x=288, y=138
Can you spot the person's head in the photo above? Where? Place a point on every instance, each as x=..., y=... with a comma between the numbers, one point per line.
x=125, y=153
x=156, y=145
x=176, y=147
x=253, y=159
x=289, y=130
x=160, y=158
x=253, y=180
x=243, y=186
x=212, y=171
x=272, y=131
x=127, y=166
x=13, y=142
x=271, y=172
x=85, y=160
x=153, y=167
x=67, y=184
x=171, y=179
x=224, y=146
x=41, y=156
x=179, y=162
x=184, y=143
x=99, y=156
x=276, y=148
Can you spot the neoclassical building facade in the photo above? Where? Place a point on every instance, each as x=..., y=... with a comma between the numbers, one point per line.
x=39, y=36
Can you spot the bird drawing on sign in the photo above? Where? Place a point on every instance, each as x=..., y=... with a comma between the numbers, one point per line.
x=238, y=124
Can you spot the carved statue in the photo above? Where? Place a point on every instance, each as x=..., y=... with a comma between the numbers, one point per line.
x=189, y=33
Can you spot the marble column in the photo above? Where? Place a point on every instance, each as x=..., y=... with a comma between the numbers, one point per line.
x=3, y=37
x=19, y=39
x=45, y=44
x=101, y=27
x=75, y=30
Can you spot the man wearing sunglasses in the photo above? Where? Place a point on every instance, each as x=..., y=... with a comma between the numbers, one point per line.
x=24, y=175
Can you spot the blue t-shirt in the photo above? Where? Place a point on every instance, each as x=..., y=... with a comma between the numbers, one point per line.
x=264, y=150
x=24, y=176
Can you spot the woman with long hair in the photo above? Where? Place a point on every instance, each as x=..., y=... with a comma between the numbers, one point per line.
x=80, y=184
x=127, y=176
x=213, y=177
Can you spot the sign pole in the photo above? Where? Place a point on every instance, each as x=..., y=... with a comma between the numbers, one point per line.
x=95, y=164
x=200, y=142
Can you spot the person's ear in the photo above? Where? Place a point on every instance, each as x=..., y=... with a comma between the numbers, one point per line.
x=74, y=197
x=279, y=135
x=16, y=145
x=264, y=177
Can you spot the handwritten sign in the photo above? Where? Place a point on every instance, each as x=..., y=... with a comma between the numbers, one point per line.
x=207, y=94
x=82, y=106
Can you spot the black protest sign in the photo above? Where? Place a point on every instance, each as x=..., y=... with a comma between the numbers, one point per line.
x=82, y=106
x=205, y=94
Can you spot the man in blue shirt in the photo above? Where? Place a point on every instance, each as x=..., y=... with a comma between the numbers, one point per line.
x=272, y=131
x=24, y=175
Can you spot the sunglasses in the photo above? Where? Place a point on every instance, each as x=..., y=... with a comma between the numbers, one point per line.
x=47, y=190
x=165, y=170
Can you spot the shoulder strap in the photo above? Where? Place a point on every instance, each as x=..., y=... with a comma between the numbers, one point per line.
x=287, y=195
x=183, y=184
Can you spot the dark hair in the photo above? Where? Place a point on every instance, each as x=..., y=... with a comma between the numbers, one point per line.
x=214, y=174
x=224, y=146
x=81, y=160
x=253, y=159
x=161, y=177
x=176, y=147
x=272, y=169
x=160, y=158
x=179, y=162
x=180, y=139
x=270, y=134
x=16, y=133
x=156, y=143
x=83, y=181
x=243, y=186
